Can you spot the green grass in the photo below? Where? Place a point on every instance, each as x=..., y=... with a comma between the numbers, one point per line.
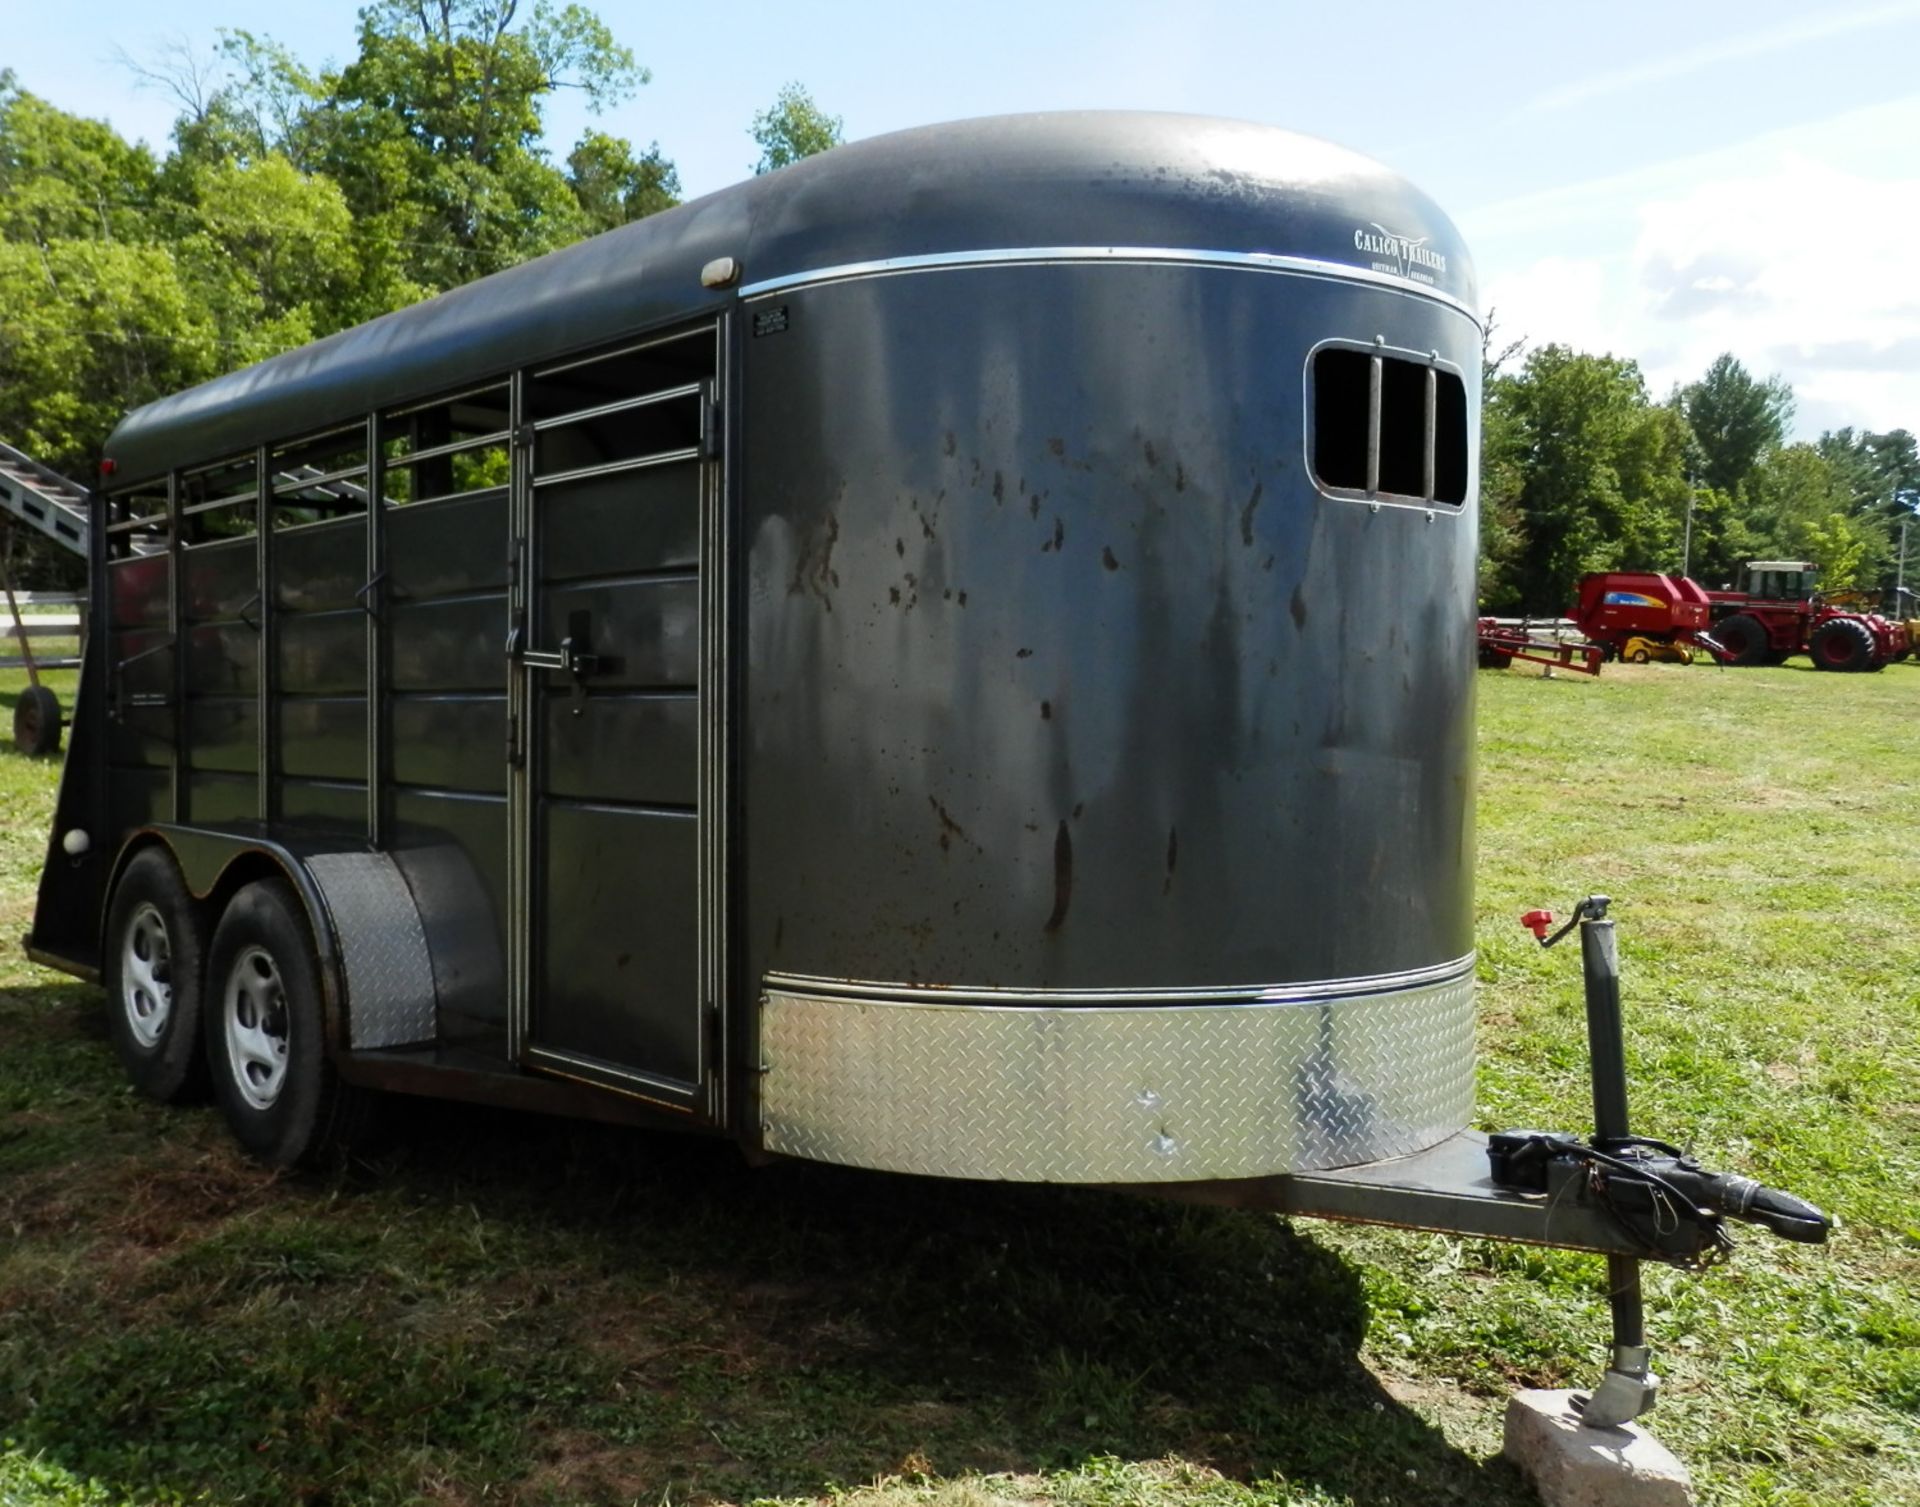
x=517, y=1310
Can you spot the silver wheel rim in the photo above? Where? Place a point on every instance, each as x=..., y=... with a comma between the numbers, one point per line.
x=146, y=975
x=255, y=1014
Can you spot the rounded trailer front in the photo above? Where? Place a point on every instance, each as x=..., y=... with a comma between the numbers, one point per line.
x=1107, y=715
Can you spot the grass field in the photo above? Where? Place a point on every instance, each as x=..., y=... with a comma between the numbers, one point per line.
x=516, y=1310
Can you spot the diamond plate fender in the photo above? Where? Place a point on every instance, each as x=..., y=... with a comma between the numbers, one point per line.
x=383, y=950
x=1126, y=1088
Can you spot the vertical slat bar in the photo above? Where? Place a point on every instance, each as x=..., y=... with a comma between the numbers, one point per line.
x=177, y=635
x=96, y=697
x=715, y=574
x=266, y=667
x=520, y=739
x=374, y=601
x=1375, y=377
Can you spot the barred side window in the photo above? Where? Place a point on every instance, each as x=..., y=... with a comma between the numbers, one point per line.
x=1387, y=426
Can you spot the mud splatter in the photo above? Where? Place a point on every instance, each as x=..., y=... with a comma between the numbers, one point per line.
x=1062, y=878
x=1246, y=515
x=949, y=828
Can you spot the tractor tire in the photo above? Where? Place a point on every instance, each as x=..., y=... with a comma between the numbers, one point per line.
x=1495, y=659
x=1745, y=639
x=36, y=722
x=1844, y=643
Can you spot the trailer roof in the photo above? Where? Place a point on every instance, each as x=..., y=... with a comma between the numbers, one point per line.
x=1092, y=181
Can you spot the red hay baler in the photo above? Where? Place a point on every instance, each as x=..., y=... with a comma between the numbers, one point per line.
x=1632, y=613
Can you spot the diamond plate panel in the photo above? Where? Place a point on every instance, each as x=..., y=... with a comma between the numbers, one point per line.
x=383, y=951
x=1136, y=1094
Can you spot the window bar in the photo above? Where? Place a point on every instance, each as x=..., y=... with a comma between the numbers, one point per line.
x=615, y=468
x=1432, y=434
x=619, y=405
x=1375, y=377
x=452, y=447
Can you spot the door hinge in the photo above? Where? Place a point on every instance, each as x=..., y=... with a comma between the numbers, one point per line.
x=514, y=755
x=712, y=429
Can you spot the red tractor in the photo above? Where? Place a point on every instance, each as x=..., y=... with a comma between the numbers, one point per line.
x=1782, y=612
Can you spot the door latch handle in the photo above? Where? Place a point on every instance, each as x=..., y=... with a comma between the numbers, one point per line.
x=578, y=662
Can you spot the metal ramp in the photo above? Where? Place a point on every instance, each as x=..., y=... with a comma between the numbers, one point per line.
x=44, y=498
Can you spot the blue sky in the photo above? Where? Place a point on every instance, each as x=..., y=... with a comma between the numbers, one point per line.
x=1664, y=181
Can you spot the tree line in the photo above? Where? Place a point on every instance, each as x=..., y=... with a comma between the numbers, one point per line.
x=295, y=201
x=1581, y=469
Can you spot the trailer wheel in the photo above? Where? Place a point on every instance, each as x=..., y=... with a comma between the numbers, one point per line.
x=154, y=980
x=266, y=1038
x=1843, y=643
x=1745, y=639
x=36, y=722
x=1638, y=657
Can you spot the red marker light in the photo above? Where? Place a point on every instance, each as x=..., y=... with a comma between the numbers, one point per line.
x=108, y=466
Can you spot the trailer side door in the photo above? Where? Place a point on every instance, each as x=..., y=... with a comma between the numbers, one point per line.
x=616, y=637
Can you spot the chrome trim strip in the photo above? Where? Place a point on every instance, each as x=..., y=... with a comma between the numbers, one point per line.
x=935, y=996
x=1259, y=261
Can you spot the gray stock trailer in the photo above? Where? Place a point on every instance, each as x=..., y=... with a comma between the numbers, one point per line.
x=955, y=657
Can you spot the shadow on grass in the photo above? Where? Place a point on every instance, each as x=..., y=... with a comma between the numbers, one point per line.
x=563, y=1312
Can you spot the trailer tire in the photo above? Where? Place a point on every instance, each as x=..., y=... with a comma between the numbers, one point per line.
x=36, y=722
x=1745, y=639
x=1844, y=643
x=155, y=944
x=1638, y=657
x=266, y=1035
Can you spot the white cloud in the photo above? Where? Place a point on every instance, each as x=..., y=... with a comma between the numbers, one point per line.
x=1783, y=251
x=1796, y=33
x=1557, y=300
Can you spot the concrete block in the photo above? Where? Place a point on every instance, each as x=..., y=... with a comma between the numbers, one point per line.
x=1571, y=1466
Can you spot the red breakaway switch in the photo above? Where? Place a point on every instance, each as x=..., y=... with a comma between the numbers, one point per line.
x=1537, y=922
